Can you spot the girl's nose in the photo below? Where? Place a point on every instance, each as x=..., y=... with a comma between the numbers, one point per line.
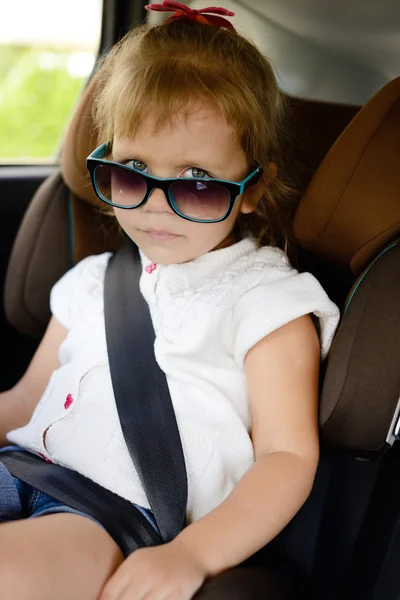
x=157, y=202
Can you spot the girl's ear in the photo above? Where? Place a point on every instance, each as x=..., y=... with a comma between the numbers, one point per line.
x=253, y=195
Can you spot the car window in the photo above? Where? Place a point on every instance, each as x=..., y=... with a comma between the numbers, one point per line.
x=47, y=51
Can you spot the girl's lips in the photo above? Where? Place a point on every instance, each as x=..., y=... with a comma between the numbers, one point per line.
x=161, y=236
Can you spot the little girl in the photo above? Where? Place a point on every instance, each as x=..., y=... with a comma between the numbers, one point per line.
x=189, y=116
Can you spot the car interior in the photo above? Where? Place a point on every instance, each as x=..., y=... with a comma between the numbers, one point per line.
x=338, y=64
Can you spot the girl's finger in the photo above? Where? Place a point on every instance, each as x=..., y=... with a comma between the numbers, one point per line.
x=154, y=595
x=134, y=593
x=114, y=589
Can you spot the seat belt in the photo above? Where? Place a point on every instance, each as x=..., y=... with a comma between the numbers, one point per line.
x=147, y=420
x=120, y=518
x=141, y=393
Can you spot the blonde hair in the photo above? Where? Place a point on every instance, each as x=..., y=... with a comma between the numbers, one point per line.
x=168, y=68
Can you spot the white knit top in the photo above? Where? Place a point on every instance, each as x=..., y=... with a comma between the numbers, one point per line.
x=206, y=314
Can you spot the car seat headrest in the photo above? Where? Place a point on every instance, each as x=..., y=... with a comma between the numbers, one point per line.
x=351, y=208
x=80, y=140
x=63, y=225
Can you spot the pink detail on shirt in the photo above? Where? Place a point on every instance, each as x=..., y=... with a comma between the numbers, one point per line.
x=151, y=267
x=69, y=400
x=44, y=457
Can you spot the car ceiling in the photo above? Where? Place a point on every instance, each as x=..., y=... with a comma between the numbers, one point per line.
x=341, y=51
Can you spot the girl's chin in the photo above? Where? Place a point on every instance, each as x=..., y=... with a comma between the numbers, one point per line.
x=161, y=254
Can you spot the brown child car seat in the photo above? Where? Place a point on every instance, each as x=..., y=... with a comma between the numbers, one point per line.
x=349, y=217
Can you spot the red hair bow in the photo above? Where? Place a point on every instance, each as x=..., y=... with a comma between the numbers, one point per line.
x=181, y=11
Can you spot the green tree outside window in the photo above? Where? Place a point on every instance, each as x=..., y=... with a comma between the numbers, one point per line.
x=38, y=89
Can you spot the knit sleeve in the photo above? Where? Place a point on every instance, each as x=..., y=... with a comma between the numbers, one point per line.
x=73, y=290
x=277, y=299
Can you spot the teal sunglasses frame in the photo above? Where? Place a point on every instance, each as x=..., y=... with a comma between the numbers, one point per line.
x=96, y=159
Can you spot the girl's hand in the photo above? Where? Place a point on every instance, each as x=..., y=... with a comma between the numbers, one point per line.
x=168, y=572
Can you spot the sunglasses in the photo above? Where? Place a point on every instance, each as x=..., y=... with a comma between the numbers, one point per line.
x=198, y=199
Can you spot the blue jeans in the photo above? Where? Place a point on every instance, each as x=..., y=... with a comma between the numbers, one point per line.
x=19, y=500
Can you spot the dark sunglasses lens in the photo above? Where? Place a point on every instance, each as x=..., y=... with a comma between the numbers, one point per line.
x=120, y=186
x=203, y=201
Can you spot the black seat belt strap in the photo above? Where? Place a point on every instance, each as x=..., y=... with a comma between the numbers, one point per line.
x=121, y=519
x=141, y=392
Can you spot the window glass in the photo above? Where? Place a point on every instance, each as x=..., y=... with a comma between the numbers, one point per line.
x=47, y=51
